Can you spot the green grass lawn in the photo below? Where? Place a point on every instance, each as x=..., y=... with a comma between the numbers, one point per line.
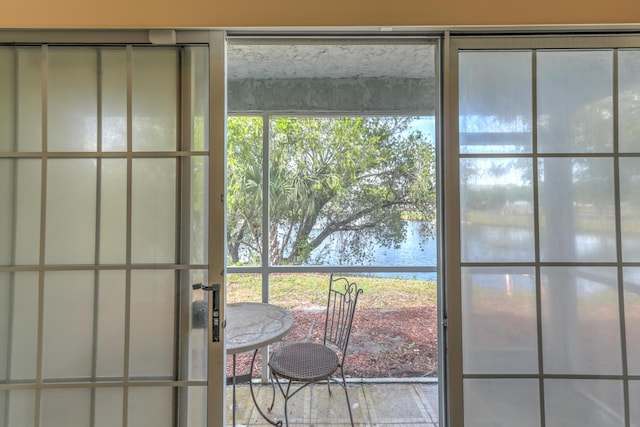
x=291, y=290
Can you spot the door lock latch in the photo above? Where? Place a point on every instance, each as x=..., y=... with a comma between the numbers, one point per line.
x=215, y=311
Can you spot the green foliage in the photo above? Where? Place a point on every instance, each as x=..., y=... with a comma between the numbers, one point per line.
x=350, y=177
x=244, y=185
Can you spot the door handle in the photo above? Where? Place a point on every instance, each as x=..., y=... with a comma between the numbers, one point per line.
x=197, y=286
x=215, y=313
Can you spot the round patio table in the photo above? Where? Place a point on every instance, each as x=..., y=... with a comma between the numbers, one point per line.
x=252, y=326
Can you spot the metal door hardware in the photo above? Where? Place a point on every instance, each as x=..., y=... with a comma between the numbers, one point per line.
x=215, y=312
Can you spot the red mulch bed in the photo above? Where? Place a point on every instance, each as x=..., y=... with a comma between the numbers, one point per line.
x=385, y=343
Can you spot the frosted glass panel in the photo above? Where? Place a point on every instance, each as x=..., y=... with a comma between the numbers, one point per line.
x=575, y=102
x=153, y=314
x=27, y=215
x=8, y=72
x=110, y=327
x=154, y=210
x=108, y=409
x=150, y=406
x=199, y=57
x=499, y=332
x=197, y=401
x=199, y=211
x=7, y=195
x=580, y=320
x=577, y=221
x=155, y=99
x=113, y=211
x=65, y=407
x=584, y=403
x=68, y=324
x=634, y=396
x=29, y=96
x=198, y=330
x=22, y=349
x=113, y=82
x=72, y=99
x=495, y=102
x=5, y=325
x=496, y=197
x=632, y=317
x=630, y=208
x=628, y=101
x=71, y=211
x=501, y=403
x=17, y=408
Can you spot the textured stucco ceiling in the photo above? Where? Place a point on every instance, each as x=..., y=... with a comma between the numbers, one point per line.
x=317, y=60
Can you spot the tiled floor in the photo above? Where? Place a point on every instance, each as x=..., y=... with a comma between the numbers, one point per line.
x=407, y=404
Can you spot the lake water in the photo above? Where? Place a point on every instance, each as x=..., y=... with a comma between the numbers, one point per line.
x=415, y=250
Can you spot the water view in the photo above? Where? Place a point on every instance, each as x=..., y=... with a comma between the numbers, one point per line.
x=416, y=250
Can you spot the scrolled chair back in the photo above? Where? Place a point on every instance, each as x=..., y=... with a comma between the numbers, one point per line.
x=341, y=307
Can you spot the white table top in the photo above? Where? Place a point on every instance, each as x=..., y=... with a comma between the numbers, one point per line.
x=254, y=325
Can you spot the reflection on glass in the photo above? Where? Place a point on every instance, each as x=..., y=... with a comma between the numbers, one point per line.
x=113, y=211
x=19, y=337
x=153, y=313
x=6, y=332
x=580, y=321
x=584, y=403
x=503, y=402
x=65, y=407
x=196, y=59
x=29, y=92
x=199, y=212
x=499, y=332
x=26, y=219
x=495, y=102
x=197, y=340
x=577, y=221
x=496, y=198
x=8, y=191
x=151, y=406
x=110, y=324
x=197, y=406
x=634, y=396
x=154, y=98
x=575, y=102
x=71, y=211
x=7, y=101
x=108, y=407
x=630, y=208
x=68, y=329
x=17, y=407
x=628, y=100
x=632, y=317
x=113, y=80
x=153, y=211
x=72, y=92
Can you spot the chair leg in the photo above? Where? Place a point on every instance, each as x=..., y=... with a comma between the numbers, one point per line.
x=286, y=411
x=346, y=393
x=273, y=386
x=349, y=406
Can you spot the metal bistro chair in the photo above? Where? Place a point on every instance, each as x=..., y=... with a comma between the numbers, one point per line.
x=309, y=362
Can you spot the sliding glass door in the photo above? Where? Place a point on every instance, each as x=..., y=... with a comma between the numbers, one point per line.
x=104, y=159
x=543, y=290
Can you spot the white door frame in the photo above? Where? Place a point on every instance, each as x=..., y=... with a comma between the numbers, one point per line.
x=217, y=222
